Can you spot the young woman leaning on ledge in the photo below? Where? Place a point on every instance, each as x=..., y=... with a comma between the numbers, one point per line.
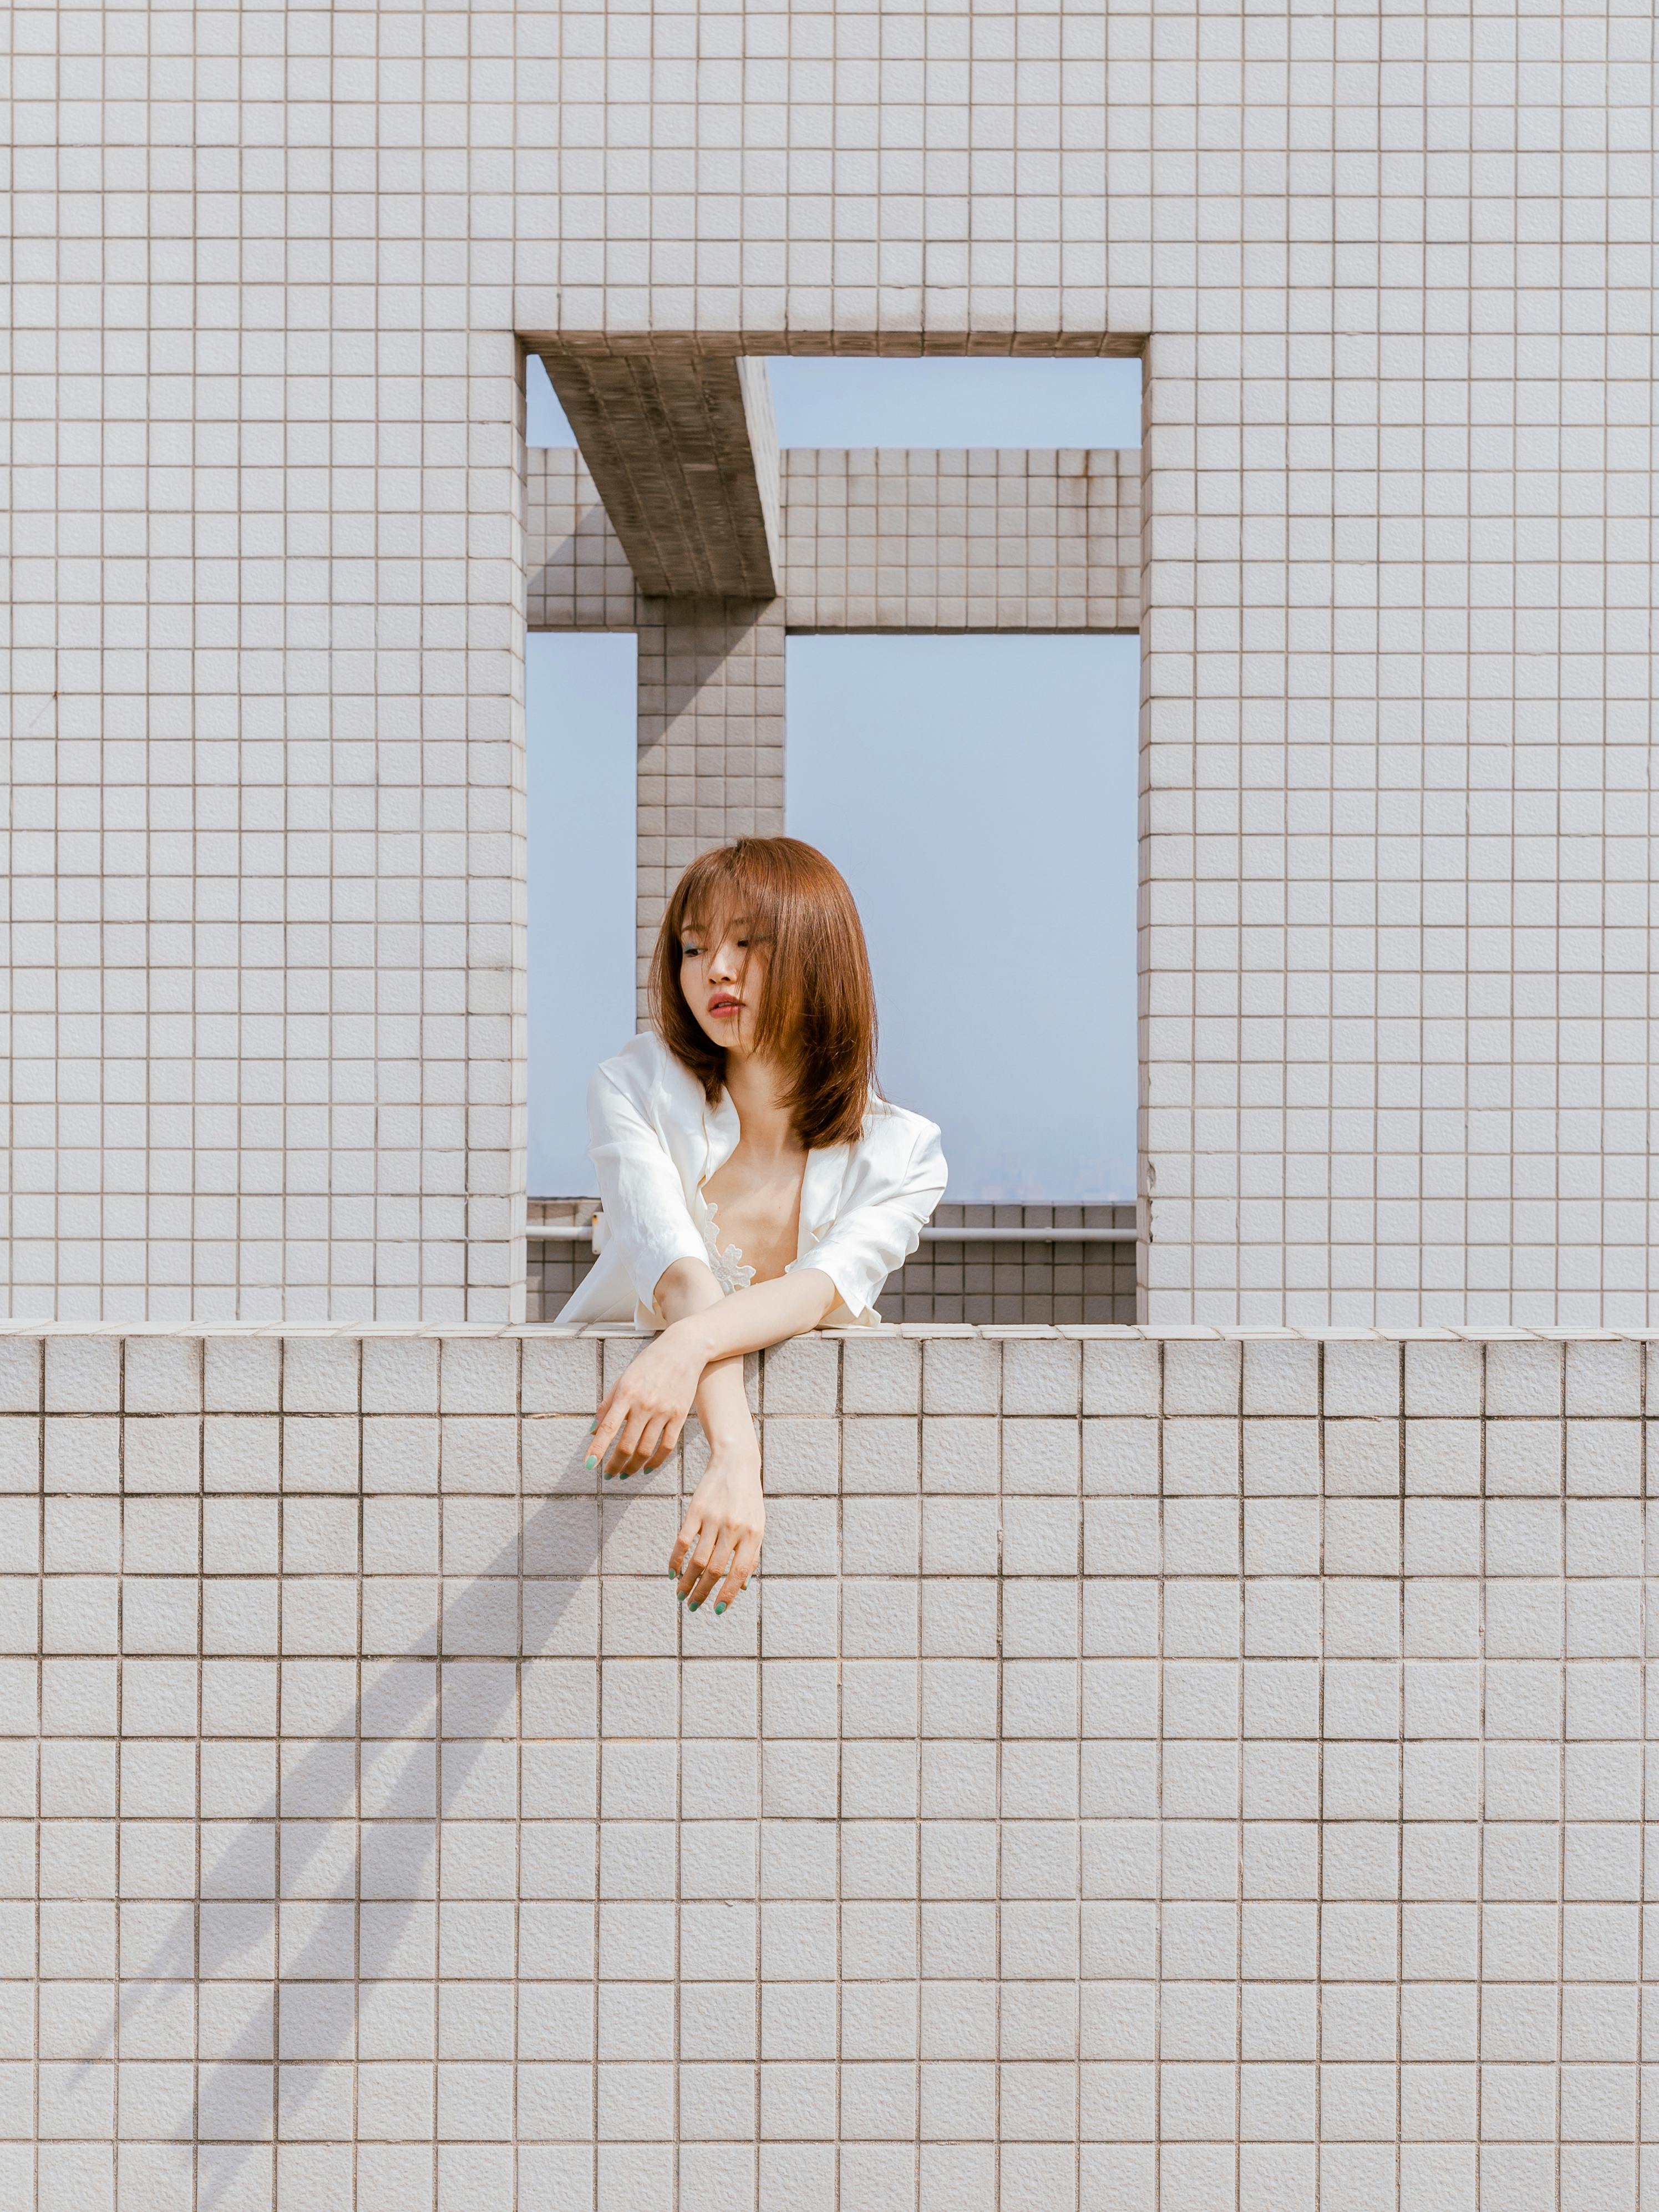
x=754, y=1183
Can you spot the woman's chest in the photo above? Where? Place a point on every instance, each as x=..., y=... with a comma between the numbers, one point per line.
x=758, y=1211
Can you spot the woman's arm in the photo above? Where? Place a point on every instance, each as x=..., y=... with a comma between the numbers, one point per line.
x=699, y=1356
x=641, y=1196
x=726, y=1519
x=885, y=1204
x=640, y=1420
x=746, y=1320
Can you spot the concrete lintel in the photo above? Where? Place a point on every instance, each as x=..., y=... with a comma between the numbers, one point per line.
x=681, y=445
x=536, y=319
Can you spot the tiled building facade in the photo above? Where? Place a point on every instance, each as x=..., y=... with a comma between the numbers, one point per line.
x=1153, y=1771
x=1392, y=279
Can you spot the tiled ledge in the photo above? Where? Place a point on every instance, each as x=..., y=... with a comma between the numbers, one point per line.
x=920, y=1369
x=1082, y=1332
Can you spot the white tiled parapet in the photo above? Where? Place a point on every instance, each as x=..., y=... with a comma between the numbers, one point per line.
x=1200, y=1758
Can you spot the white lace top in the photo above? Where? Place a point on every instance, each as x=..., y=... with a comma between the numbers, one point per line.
x=729, y=1269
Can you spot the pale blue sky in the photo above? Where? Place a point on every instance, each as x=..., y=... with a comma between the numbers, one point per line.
x=578, y=738
x=978, y=793
x=943, y=401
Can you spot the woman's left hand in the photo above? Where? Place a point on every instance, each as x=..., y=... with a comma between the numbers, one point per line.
x=639, y=1422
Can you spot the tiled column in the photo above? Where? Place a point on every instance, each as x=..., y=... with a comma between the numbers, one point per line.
x=711, y=737
x=1171, y=893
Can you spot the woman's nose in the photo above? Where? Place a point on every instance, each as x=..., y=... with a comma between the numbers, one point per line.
x=723, y=966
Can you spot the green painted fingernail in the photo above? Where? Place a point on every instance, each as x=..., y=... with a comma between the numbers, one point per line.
x=695, y=1602
x=592, y=1425
x=592, y=1461
x=720, y=1608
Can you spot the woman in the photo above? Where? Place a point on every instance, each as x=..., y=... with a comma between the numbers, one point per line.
x=753, y=1181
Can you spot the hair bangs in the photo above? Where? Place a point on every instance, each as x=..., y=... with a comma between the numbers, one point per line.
x=817, y=1012
x=723, y=889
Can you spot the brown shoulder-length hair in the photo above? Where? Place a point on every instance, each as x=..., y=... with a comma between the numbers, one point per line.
x=817, y=1013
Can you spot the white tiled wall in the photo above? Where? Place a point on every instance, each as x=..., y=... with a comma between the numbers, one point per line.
x=1146, y=1774
x=265, y=515
x=974, y=540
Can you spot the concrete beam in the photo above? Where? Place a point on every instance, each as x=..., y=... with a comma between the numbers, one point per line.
x=682, y=448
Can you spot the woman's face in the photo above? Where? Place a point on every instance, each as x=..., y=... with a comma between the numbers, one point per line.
x=722, y=976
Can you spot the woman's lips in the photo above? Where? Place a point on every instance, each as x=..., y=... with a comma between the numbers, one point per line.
x=720, y=1008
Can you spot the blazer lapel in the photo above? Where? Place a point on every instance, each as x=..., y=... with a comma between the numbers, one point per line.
x=820, y=1195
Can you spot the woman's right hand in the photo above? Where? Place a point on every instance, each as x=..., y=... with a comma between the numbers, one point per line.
x=720, y=1540
x=639, y=1422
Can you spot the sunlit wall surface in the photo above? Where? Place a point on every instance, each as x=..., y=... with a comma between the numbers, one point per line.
x=979, y=794
x=580, y=744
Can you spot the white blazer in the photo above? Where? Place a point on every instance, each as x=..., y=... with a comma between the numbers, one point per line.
x=656, y=1141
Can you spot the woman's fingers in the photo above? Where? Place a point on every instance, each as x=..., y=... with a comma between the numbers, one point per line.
x=638, y=1440
x=714, y=1556
x=606, y=1423
x=631, y=1436
x=696, y=1567
x=712, y=1543
x=665, y=1444
x=646, y=1450
x=742, y=1567
x=683, y=1543
x=622, y=1451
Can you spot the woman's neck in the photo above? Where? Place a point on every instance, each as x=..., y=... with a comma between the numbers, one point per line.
x=757, y=1087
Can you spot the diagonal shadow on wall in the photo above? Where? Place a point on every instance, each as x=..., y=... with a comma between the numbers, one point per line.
x=239, y=1912
x=585, y=582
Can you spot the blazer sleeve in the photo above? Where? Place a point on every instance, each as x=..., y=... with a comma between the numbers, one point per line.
x=882, y=1228
x=639, y=1192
